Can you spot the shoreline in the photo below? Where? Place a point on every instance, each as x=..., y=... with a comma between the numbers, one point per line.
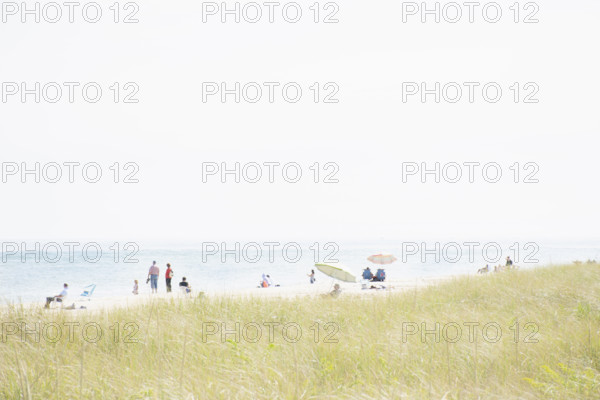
x=323, y=286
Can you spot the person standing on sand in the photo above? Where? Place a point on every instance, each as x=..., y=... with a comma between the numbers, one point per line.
x=312, y=276
x=168, y=277
x=509, y=262
x=135, y=287
x=153, y=277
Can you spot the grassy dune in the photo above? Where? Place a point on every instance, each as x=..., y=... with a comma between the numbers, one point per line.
x=371, y=356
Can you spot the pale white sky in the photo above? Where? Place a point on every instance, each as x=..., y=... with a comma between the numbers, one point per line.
x=369, y=133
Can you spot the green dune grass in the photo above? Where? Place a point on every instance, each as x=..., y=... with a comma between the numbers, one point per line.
x=526, y=334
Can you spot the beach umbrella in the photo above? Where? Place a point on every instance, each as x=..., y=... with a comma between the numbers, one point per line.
x=382, y=259
x=336, y=272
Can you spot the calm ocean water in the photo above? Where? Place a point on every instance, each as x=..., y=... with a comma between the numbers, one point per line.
x=32, y=281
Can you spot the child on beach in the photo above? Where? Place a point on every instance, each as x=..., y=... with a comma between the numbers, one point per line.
x=135, y=287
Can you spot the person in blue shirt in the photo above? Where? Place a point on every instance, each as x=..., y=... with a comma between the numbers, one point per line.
x=379, y=276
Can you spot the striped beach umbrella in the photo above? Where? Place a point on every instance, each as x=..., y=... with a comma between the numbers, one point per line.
x=382, y=259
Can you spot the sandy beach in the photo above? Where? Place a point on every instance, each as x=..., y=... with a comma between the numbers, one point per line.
x=289, y=342
x=322, y=286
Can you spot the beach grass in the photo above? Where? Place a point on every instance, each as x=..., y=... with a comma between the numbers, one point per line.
x=531, y=334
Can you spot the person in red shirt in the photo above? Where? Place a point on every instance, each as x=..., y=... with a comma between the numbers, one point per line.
x=168, y=277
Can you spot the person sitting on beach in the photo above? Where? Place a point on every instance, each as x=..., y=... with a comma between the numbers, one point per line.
x=379, y=276
x=264, y=283
x=59, y=297
x=336, y=291
x=184, y=285
x=484, y=270
x=135, y=287
x=367, y=274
